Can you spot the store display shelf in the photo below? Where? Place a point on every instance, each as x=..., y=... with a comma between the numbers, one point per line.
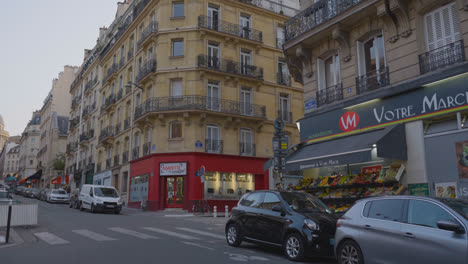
x=355, y=185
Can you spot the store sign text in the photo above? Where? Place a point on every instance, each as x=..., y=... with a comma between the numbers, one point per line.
x=169, y=169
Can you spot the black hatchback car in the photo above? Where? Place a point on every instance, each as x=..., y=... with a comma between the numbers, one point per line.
x=298, y=222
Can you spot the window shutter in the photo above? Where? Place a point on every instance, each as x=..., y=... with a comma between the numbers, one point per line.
x=442, y=26
x=322, y=83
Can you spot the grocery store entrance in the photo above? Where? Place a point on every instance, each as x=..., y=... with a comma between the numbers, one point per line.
x=174, y=192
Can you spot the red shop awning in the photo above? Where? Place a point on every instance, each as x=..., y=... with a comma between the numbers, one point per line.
x=57, y=180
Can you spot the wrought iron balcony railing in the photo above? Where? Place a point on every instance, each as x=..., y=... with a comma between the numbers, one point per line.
x=231, y=67
x=273, y=6
x=283, y=78
x=213, y=146
x=136, y=153
x=127, y=123
x=150, y=29
x=146, y=69
x=106, y=133
x=230, y=28
x=119, y=94
x=128, y=89
x=442, y=57
x=329, y=95
x=316, y=14
x=121, y=63
x=110, y=100
x=372, y=80
x=146, y=148
x=116, y=160
x=117, y=128
x=202, y=103
x=246, y=149
x=113, y=69
x=125, y=157
x=286, y=116
x=74, y=122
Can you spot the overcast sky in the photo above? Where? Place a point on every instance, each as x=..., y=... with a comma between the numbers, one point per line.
x=38, y=38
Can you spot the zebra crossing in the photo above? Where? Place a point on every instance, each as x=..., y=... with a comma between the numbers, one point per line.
x=184, y=234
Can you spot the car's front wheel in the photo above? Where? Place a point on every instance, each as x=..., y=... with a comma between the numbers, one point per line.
x=233, y=236
x=294, y=247
x=81, y=206
x=349, y=252
x=93, y=210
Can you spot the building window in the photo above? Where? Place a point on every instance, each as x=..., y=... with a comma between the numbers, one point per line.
x=213, y=55
x=284, y=108
x=246, y=142
x=371, y=55
x=246, y=101
x=175, y=130
x=178, y=9
x=213, y=96
x=329, y=73
x=442, y=26
x=177, y=48
x=213, y=142
x=283, y=73
x=176, y=88
x=245, y=24
x=213, y=17
x=30, y=162
x=279, y=37
x=228, y=185
x=246, y=61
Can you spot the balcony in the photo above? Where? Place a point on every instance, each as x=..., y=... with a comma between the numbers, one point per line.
x=86, y=112
x=329, y=95
x=136, y=153
x=128, y=89
x=283, y=79
x=246, y=149
x=72, y=147
x=147, y=32
x=372, y=80
x=125, y=157
x=230, y=29
x=106, y=134
x=146, y=69
x=127, y=123
x=119, y=94
x=76, y=101
x=90, y=84
x=74, y=122
x=272, y=6
x=442, y=57
x=130, y=54
x=116, y=160
x=230, y=67
x=200, y=103
x=213, y=146
x=121, y=63
x=285, y=116
x=147, y=148
x=111, y=71
x=109, y=101
x=108, y=163
x=315, y=15
x=85, y=137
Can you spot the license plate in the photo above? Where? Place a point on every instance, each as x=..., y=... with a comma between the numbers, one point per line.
x=331, y=241
x=109, y=206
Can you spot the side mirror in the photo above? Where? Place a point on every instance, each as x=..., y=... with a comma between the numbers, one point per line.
x=451, y=226
x=277, y=208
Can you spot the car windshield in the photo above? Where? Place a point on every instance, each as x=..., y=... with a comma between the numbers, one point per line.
x=58, y=192
x=3, y=195
x=303, y=202
x=460, y=206
x=105, y=192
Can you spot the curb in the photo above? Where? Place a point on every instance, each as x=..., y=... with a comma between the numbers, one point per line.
x=15, y=237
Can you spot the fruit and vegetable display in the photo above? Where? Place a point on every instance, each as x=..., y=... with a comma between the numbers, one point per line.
x=339, y=192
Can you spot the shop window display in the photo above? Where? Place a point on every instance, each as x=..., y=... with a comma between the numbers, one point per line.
x=139, y=188
x=228, y=185
x=339, y=187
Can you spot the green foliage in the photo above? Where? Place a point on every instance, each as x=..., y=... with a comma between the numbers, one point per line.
x=59, y=162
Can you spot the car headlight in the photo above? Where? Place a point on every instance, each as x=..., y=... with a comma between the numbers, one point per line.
x=311, y=224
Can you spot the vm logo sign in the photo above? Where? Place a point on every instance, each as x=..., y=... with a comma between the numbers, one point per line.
x=349, y=121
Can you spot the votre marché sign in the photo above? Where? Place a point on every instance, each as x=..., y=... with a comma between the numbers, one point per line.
x=439, y=98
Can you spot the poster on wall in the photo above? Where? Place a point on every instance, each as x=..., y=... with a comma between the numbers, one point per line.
x=462, y=159
x=446, y=189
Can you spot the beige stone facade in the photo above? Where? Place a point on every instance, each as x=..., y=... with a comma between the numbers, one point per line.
x=29, y=147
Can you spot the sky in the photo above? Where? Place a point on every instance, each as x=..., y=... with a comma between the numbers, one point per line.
x=38, y=38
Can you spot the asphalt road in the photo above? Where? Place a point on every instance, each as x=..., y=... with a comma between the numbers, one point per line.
x=67, y=235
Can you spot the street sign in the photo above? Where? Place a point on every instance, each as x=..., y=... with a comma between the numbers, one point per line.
x=202, y=170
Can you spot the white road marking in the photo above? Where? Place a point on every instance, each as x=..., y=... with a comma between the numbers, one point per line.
x=201, y=232
x=132, y=233
x=182, y=215
x=50, y=238
x=92, y=235
x=170, y=233
x=197, y=245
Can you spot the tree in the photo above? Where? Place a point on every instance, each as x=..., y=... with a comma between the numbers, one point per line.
x=59, y=162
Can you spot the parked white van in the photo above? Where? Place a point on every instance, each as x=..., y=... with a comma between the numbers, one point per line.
x=100, y=198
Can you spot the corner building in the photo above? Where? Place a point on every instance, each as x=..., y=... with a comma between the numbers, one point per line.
x=385, y=98
x=188, y=94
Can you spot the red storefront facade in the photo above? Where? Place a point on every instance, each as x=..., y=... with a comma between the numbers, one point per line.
x=169, y=180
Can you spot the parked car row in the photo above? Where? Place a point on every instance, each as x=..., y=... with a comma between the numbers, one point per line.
x=49, y=195
x=389, y=229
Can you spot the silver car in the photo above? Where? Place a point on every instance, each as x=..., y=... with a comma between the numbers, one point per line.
x=403, y=229
x=58, y=196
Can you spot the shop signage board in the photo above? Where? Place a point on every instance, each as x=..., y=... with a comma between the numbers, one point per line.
x=173, y=169
x=446, y=96
x=420, y=189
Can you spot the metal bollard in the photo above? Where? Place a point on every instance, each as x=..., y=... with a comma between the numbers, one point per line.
x=226, y=211
x=215, y=211
x=8, y=225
